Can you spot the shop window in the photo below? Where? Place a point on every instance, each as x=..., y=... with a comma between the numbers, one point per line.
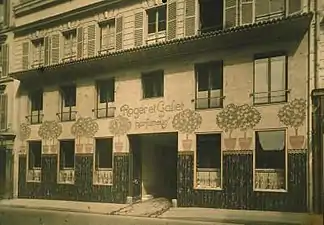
x=34, y=161
x=36, y=107
x=103, y=161
x=270, y=80
x=270, y=160
x=66, y=161
x=153, y=84
x=208, y=161
x=106, y=98
x=209, y=83
x=68, y=103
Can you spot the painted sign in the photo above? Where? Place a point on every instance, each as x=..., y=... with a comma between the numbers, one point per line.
x=160, y=110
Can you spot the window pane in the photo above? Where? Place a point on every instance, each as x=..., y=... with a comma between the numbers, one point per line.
x=153, y=84
x=261, y=81
x=209, y=151
x=67, y=154
x=35, y=154
x=278, y=79
x=151, y=28
x=69, y=96
x=162, y=26
x=106, y=91
x=36, y=100
x=162, y=13
x=202, y=78
x=216, y=76
x=151, y=16
x=104, y=153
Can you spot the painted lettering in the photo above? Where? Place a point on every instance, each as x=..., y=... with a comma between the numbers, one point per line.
x=163, y=123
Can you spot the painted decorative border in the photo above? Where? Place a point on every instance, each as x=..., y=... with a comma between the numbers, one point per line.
x=237, y=152
x=297, y=151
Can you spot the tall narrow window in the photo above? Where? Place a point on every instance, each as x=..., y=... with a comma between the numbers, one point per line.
x=3, y=111
x=103, y=161
x=209, y=79
x=38, y=52
x=34, y=161
x=270, y=160
x=270, y=80
x=211, y=15
x=70, y=45
x=153, y=84
x=66, y=161
x=36, y=107
x=107, y=35
x=156, y=22
x=68, y=103
x=208, y=161
x=106, y=97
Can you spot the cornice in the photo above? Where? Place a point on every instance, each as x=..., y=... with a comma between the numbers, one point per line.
x=64, y=16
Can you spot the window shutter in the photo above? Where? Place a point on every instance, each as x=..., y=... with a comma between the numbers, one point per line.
x=246, y=11
x=190, y=17
x=25, y=55
x=4, y=60
x=138, y=33
x=3, y=111
x=55, y=49
x=47, y=44
x=294, y=6
x=6, y=19
x=80, y=42
x=172, y=20
x=231, y=12
x=119, y=33
x=91, y=40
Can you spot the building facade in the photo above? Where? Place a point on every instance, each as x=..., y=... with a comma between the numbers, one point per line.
x=206, y=102
x=8, y=87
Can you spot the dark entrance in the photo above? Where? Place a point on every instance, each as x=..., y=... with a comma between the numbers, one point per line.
x=5, y=173
x=153, y=166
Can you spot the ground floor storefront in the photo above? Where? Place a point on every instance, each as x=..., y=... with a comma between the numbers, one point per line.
x=156, y=167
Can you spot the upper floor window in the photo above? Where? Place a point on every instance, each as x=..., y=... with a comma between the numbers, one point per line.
x=209, y=81
x=106, y=96
x=38, y=52
x=211, y=15
x=68, y=102
x=153, y=84
x=3, y=111
x=270, y=160
x=208, y=161
x=70, y=44
x=4, y=55
x=156, y=19
x=107, y=35
x=270, y=79
x=269, y=8
x=36, y=106
x=2, y=10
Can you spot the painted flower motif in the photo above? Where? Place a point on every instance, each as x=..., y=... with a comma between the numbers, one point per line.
x=187, y=121
x=77, y=127
x=24, y=131
x=86, y=127
x=228, y=118
x=50, y=130
x=248, y=117
x=120, y=125
x=293, y=114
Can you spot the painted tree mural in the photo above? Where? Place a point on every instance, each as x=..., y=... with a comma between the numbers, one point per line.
x=119, y=126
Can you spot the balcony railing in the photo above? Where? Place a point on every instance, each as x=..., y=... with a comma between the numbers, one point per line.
x=35, y=117
x=106, y=112
x=67, y=116
x=270, y=97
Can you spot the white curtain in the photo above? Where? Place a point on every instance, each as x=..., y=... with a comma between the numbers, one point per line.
x=272, y=140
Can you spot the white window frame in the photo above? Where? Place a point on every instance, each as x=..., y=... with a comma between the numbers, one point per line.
x=65, y=170
x=37, y=113
x=35, y=170
x=221, y=164
x=103, y=171
x=108, y=106
x=70, y=40
x=285, y=129
x=157, y=36
x=110, y=25
x=38, y=52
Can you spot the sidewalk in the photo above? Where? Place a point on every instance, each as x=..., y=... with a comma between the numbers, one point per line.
x=184, y=214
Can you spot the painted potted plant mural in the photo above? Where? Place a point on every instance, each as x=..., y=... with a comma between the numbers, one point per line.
x=49, y=131
x=24, y=134
x=187, y=121
x=91, y=127
x=120, y=125
x=293, y=114
x=248, y=118
x=77, y=130
x=227, y=120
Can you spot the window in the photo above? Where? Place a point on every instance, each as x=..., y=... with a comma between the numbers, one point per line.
x=211, y=20
x=3, y=111
x=68, y=96
x=104, y=151
x=156, y=18
x=36, y=107
x=107, y=35
x=209, y=80
x=106, y=96
x=4, y=65
x=270, y=80
x=265, y=9
x=208, y=161
x=270, y=160
x=70, y=45
x=153, y=84
x=2, y=11
x=67, y=154
x=38, y=52
x=35, y=155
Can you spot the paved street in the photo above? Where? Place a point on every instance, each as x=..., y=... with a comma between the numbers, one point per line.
x=21, y=216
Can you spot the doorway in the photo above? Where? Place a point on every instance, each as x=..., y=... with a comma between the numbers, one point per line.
x=5, y=173
x=153, y=166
